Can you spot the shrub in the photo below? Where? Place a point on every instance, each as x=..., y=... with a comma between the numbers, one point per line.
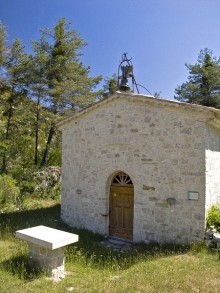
x=48, y=183
x=213, y=217
x=9, y=193
x=40, y=184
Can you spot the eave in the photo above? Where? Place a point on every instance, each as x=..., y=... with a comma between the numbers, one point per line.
x=214, y=119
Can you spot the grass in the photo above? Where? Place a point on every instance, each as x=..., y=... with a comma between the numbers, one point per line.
x=93, y=268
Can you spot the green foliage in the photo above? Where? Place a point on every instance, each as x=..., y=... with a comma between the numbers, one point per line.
x=13, y=95
x=55, y=157
x=9, y=193
x=69, y=86
x=157, y=94
x=37, y=91
x=47, y=183
x=3, y=35
x=43, y=184
x=213, y=217
x=110, y=85
x=52, y=192
x=61, y=77
x=203, y=85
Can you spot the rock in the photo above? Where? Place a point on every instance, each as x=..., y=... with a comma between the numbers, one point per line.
x=212, y=239
x=210, y=232
x=48, y=180
x=208, y=243
x=118, y=242
x=216, y=237
x=114, y=278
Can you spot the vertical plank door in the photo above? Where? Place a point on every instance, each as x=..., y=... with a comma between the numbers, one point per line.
x=121, y=212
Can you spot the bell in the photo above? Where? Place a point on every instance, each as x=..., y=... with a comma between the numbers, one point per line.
x=124, y=86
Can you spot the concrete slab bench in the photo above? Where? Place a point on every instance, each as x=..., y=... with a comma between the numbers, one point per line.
x=46, y=248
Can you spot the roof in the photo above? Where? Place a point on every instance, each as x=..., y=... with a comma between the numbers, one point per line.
x=146, y=99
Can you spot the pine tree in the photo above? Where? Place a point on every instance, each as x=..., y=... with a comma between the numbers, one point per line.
x=12, y=92
x=69, y=86
x=203, y=85
x=37, y=83
x=3, y=35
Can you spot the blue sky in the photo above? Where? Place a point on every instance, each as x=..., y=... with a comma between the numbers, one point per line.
x=159, y=35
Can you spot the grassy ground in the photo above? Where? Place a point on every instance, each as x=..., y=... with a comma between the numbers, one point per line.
x=94, y=268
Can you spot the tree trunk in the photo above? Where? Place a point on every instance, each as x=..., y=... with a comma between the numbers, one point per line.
x=49, y=140
x=4, y=161
x=37, y=131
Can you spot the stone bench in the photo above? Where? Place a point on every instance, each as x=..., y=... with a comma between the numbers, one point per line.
x=46, y=248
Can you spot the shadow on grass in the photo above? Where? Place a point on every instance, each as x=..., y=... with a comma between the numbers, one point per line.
x=11, y=222
x=20, y=267
x=93, y=254
x=87, y=252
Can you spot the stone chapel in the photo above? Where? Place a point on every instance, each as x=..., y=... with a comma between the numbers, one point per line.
x=141, y=168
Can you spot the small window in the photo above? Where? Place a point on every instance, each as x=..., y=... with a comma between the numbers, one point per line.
x=122, y=178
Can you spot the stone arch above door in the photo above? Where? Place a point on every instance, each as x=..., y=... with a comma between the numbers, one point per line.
x=122, y=179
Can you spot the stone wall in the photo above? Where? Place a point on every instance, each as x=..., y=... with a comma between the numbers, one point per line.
x=162, y=149
x=50, y=261
x=212, y=166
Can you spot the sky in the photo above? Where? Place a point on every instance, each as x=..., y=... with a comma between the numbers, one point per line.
x=159, y=35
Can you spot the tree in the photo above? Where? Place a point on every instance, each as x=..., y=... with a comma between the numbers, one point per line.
x=69, y=86
x=37, y=83
x=203, y=85
x=111, y=85
x=3, y=34
x=12, y=92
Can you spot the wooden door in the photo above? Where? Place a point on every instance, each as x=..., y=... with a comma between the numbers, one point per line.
x=121, y=212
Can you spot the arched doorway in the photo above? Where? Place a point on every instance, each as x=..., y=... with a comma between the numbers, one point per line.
x=121, y=207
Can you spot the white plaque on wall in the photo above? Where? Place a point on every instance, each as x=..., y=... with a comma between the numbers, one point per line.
x=193, y=195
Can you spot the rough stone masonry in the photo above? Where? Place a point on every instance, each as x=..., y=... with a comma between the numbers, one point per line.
x=168, y=149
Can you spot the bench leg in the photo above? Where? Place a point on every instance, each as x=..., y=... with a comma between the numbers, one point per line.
x=50, y=261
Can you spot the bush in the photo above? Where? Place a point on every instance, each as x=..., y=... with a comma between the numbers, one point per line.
x=48, y=183
x=9, y=193
x=213, y=217
x=25, y=180
x=40, y=184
